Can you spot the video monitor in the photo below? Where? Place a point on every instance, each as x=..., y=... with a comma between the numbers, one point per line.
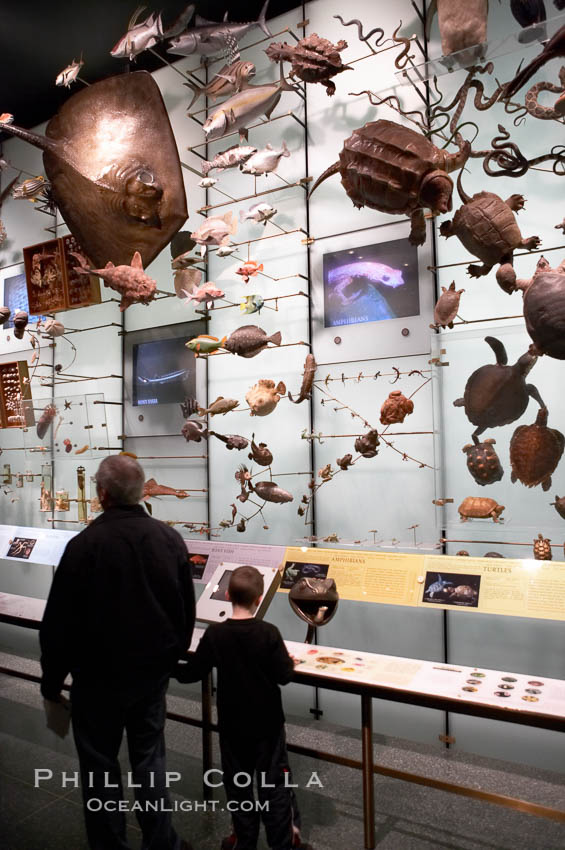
x=372, y=283
x=213, y=607
x=163, y=372
x=221, y=587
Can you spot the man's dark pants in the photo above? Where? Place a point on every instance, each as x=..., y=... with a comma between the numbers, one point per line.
x=101, y=711
x=268, y=760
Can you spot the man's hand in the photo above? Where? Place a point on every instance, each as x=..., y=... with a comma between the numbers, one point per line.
x=58, y=715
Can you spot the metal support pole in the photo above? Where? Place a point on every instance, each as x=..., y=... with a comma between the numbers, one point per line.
x=368, y=779
x=206, y=732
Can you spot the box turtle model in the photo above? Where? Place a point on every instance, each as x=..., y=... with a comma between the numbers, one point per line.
x=535, y=451
x=497, y=394
x=479, y=507
x=544, y=307
x=487, y=227
x=393, y=169
x=483, y=462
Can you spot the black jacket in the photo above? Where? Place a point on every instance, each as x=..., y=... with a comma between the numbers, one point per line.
x=252, y=661
x=121, y=603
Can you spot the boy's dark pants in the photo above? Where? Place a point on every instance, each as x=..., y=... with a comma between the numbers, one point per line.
x=268, y=760
x=101, y=712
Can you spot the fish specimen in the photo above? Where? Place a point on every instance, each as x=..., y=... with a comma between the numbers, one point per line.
x=207, y=182
x=221, y=405
x=142, y=36
x=559, y=505
x=265, y=161
x=260, y=453
x=215, y=230
x=479, y=507
x=497, y=394
x=396, y=408
x=438, y=587
x=367, y=444
x=209, y=38
x=69, y=74
x=45, y=420
x=111, y=158
x=5, y=314
x=250, y=340
x=184, y=281
x=151, y=488
x=230, y=158
x=225, y=250
x=251, y=304
x=189, y=406
x=238, y=111
x=542, y=548
x=486, y=226
x=345, y=462
x=535, y=451
x=447, y=307
x=131, y=282
x=261, y=213
x=314, y=59
x=53, y=328
x=31, y=189
x=232, y=441
x=249, y=269
x=552, y=49
x=393, y=169
x=544, y=307
x=20, y=323
x=264, y=396
x=307, y=380
x=461, y=25
x=229, y=80
x=205, y=294
x=204, y=344
x=483, y=462
x=194, y=431
x=271, y=492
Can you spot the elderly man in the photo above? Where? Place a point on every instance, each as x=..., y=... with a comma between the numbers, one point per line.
x=119, y=615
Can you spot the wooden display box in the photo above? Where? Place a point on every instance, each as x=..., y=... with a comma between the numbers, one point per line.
x=15, y=391
x=52, y=282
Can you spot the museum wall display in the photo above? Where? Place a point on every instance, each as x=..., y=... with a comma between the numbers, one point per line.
x=351, y=348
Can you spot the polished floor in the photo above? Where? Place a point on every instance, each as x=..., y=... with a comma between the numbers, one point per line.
x=408, y=816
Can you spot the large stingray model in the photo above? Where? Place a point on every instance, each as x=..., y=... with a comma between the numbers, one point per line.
x=112, y=161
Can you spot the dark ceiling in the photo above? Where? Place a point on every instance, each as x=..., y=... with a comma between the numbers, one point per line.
x=38, y=39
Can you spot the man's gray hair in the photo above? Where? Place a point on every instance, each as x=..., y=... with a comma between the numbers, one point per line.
x=122, y=478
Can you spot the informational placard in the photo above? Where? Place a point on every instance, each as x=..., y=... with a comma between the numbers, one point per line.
x=363, y=576
x=519, y=588
x=206, y=555
x=524, y=692
x=36, y=545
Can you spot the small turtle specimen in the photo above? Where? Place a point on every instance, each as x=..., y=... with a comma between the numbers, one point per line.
x=497, y=394
x=487, y=227
x=314, y=59
x=396, y=408
x=483, y=462
x=544, y=307
x=542, y=548
x=493, y=555
x=479, y=507
x=462, y=553
x=535, y=451
x=559, y=505
x=393, y=169
x=447, y=307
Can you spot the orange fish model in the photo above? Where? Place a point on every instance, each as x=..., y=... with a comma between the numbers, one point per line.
x=204, y=344
x=249, y=269
x=152, y=488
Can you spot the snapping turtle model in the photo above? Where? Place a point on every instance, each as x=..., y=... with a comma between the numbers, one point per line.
x=314, y=59
x=447, y=307
x=559, y=505
x=394, y=169
x=478, y=507
x=497, y=394
x=542, y=548
x=487, y=227
x=535, y=451
x=483, y=462
x=544, y=307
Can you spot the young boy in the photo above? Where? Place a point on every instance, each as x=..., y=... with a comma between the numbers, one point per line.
x=252, y=661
